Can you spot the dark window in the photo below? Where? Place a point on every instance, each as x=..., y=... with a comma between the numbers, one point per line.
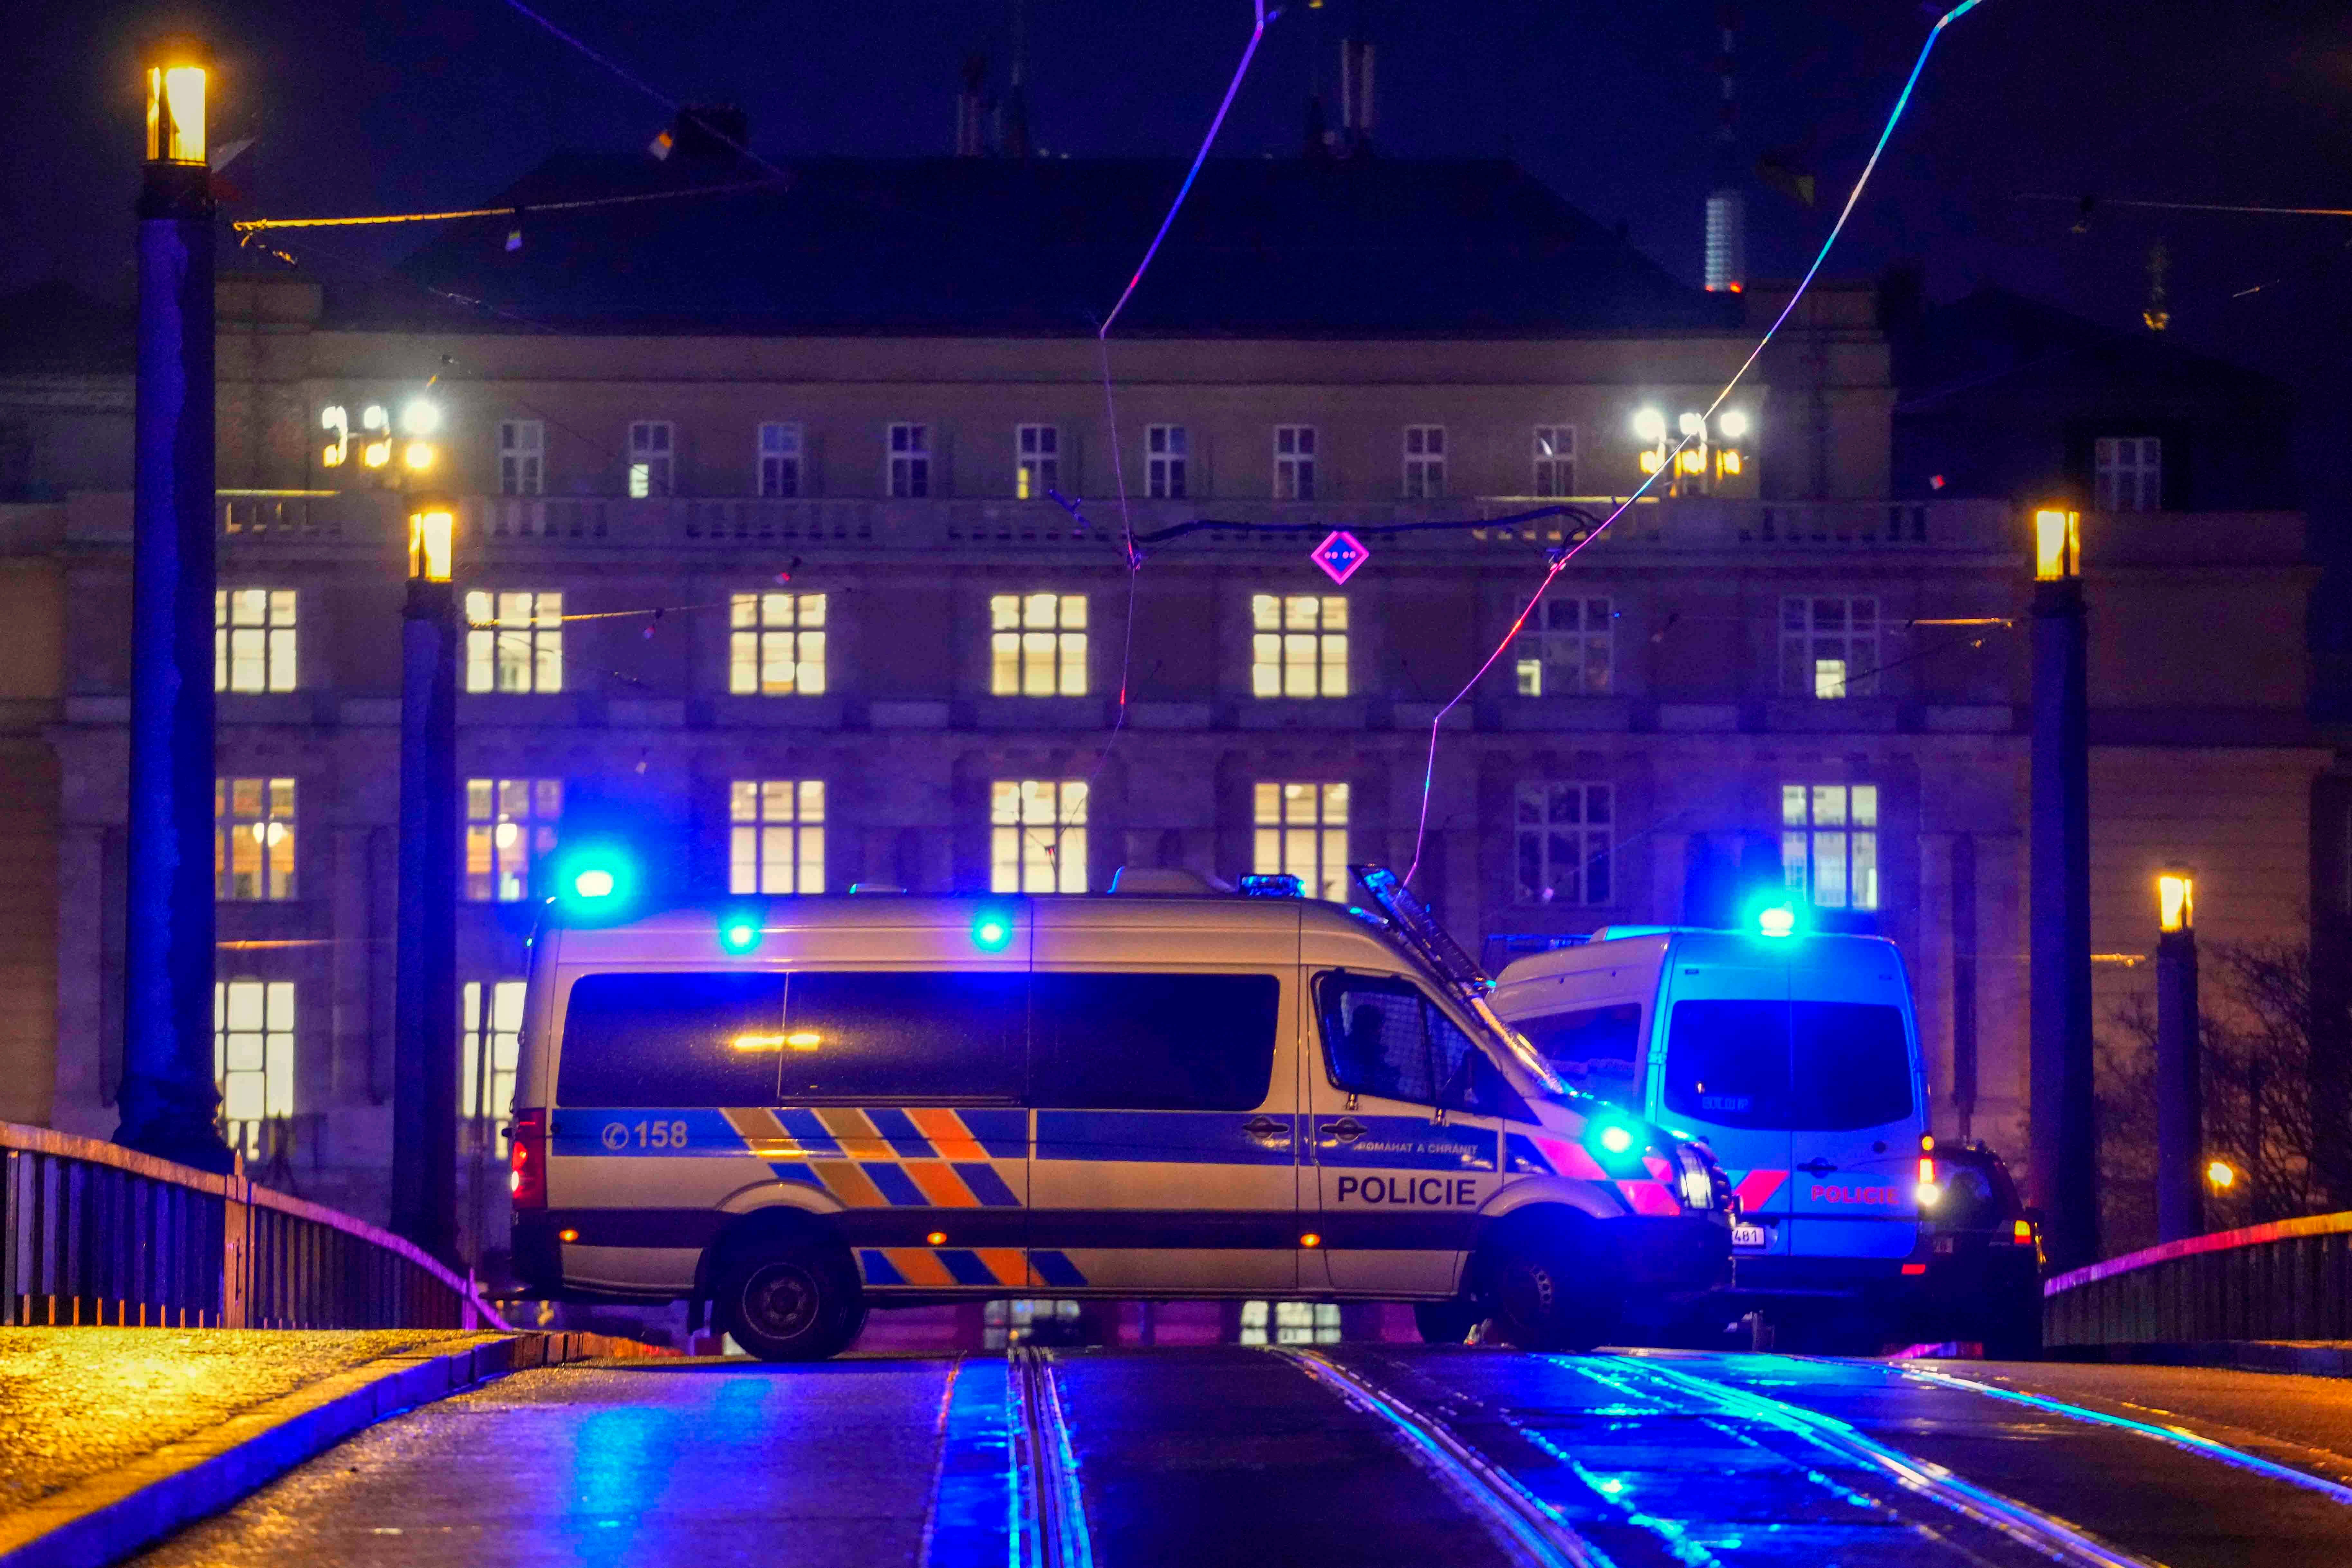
x=1157, y=1042
x=890, y=1038
x=1597, y=1050
x=1727, y=1062
x=671, y=1040
x=1385, y=1038
x=1806, y=1067
x=1852, y=1065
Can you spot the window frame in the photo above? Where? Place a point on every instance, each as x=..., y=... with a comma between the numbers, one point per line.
x=1553, y=472
x=1167, y=461
x=1036, y=461
x=522, y=465
x=653, y=459
x=538, y=831
x=491, y=640
x=907, y=452
x=1544, y=637
x=480, y=1007
x=230, y=827
x=1804, y=831
x=1297, y=452
x=1424, y=456
x=1273, y=838
x=1275, y=644
x=1021, y=647
x=752, y=827
x=1065, y=867
x=280, y=1056
x=754, y=641
x=780, y=454
x=277, y=641
x=2143, y=472
x=1543, y=794
x=1804, y=639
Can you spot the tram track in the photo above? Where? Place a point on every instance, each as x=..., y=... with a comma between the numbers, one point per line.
x=1053, y=1531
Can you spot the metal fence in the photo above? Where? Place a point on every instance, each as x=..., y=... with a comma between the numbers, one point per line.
x=2289, y=1279
x=92, y=1234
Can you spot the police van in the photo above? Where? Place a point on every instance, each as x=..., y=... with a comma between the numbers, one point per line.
x=1796, y=1058
x=790, y=1111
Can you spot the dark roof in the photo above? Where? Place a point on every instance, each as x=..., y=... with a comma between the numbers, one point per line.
x=921, y=247
x=53, y=329
x=1993, y=344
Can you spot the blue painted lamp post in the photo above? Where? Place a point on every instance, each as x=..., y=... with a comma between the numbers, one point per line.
x=2180, y=1101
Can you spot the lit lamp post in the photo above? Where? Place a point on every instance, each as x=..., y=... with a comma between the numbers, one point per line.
x=2180, y=1106
x=169, y=1097
x=1705, y=457
x=2063, y=1143
x=424, y=980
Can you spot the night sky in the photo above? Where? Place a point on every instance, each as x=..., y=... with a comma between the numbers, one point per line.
x=375, y=107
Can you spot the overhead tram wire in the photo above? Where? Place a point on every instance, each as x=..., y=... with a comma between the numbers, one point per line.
x=523, y=209
x=1559, y=562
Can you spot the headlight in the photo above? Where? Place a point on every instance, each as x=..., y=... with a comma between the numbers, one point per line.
x=1697, y=1181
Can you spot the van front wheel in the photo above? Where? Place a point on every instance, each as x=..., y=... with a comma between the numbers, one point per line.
x=800, y=1301
x=1552, y=1287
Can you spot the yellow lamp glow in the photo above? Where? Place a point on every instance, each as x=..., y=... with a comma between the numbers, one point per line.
x=2176, y=901
x=176, y=72
x=431, y=533
x=2222, y=1173
x=376, y=454
x=1730, y=461
x=418, y=455
x=1649, y=462
x=2057, y=544
x=1692, y=460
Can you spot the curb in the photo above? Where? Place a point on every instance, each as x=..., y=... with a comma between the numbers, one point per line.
x=2308, y=1358
x=107, y=1517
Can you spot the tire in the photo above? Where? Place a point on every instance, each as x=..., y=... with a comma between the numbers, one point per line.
x=1447, y=1322
x=797, y=1299
x=1552, y=1285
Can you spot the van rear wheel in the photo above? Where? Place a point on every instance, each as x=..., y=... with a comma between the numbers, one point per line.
x=1554, y=1287
x=1447, y=1322
x=793, y=1301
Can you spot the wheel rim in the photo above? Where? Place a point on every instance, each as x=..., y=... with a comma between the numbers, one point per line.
x=1528, y=1292
x=781, y=1301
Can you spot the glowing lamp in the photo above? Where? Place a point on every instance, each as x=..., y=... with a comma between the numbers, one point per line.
x=177, y=69
x=740, y=934
x=1778, y=921
x=1731, y=424
x=376, y=454
x=992, y=932
x=804, y=1040
x=432, y=531
x=418, y=455
x=1614, y=1137
x=594, y=883
x=1691, y=460
x=421, y=417
x=2057, y=544
x=2176, y=901
x=331, y=457
x=1310, y=1241
x=1649, y=424
x=1692, y=425
x=1730, y=461
x=1649, y=462
x=2222, y=1175
x=937, y=1238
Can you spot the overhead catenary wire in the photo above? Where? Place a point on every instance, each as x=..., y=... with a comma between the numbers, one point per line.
x=515, y=209
x=1559, y=562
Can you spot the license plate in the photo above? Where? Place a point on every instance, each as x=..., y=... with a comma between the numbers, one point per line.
x=1750, y=1236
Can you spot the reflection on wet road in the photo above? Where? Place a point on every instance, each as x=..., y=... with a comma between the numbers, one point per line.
x=1372, y=1455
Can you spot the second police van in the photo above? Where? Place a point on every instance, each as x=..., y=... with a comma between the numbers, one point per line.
x=1796, y=1056
x=792, y=1111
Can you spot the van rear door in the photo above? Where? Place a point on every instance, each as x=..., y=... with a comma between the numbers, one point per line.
x=1859, y=1114
x=1723, y=1041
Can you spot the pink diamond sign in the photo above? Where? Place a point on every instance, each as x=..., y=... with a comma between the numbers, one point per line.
x=1340, y=555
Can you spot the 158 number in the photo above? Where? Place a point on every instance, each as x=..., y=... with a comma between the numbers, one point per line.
x=661, y=1135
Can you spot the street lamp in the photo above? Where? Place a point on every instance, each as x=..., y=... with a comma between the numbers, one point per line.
x=425, y=976
x=1700, y=457
x=378, y=440
x=169, y=1099
x=2062, y=1130
x=2179, y=1108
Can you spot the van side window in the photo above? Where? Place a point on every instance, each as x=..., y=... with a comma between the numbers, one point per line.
x=1385, y=1038
x=887, y=1039
x=671, y=1040
x=1152, y=1042
x=1597, y=1050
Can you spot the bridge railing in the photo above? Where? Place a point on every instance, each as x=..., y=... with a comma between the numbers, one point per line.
x=2288, y=1280
x=92, y=1234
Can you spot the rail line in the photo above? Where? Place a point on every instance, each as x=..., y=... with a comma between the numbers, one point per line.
x=1053, y=1532
x=1522, y=1524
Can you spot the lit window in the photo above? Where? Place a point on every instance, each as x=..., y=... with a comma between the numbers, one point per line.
x=776, y=835
x=522, y=456
x=911, y=461
x=514, y=643
x=780, y=459
x=1167, y=451
x=253, y=839
x=490, y=1042
x=1555, y=460
x=1298, y=645
x=253, y=639
x=1425, y=462
x=1290, y=1322
x=253, y=1058
x=2129, y=473
x=1567, y=649
x=777, y=646
x=1037, y=644
x=652, y=453
x=1038, y=836
x=1829, y=647
x=1294, y=462
x=1039, y=469
x=1564, y=844
x=1302, y=831
x=1829, y=844
x=509, y=824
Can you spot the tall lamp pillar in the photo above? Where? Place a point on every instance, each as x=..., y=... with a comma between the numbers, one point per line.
x=424, y=980
x=2063, y=1146
x=2179, y=1104
x=169, y=1098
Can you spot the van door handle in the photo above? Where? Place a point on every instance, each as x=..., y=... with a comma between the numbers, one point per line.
x=1266, y=1130
x=1817, y=1167
x=1346, y=1129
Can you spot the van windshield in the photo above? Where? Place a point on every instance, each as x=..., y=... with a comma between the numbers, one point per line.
x=1799, y=1066
x=1597, y=1050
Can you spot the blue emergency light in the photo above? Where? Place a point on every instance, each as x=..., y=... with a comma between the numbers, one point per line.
x=597, y=881
x=740, y=932
x=991, y=930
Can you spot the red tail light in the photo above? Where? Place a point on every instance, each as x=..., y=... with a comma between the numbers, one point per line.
x=527, y=1160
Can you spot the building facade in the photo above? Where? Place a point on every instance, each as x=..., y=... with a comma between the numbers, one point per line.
x=793, y=610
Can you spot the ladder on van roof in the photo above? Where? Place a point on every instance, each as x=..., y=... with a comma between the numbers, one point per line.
x=1411, y=922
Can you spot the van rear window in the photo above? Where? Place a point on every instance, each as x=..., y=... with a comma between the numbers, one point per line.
x=671, y=1040
x=884, y=1038
x=1152, y=1042
x=1806, y=1067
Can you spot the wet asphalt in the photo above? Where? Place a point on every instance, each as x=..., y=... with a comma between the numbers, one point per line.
x=1224, y=1454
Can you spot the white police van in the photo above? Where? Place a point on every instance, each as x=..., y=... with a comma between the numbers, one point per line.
x=794, y=1110
x=1796, y=1058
